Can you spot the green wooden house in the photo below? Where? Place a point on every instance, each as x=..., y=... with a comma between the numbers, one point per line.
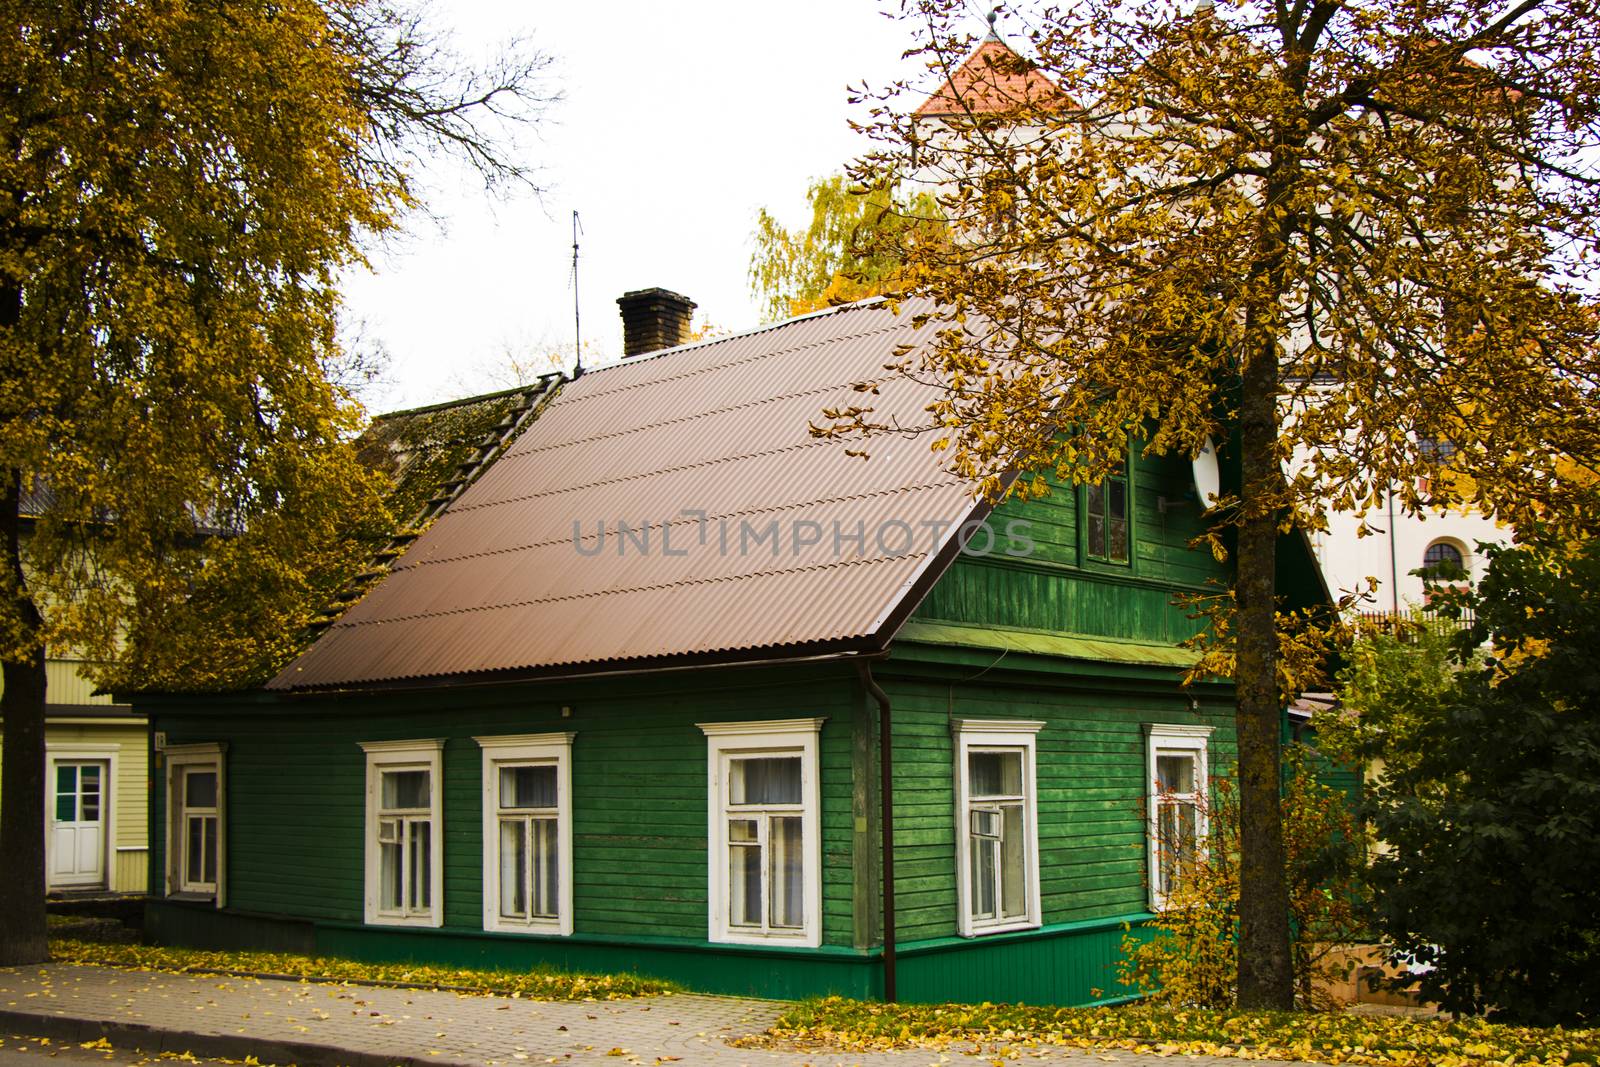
x=675, y=686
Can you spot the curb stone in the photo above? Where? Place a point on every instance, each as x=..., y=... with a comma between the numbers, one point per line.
x=144, y=1037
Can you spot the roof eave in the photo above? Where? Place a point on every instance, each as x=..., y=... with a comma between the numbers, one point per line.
x=809, y=652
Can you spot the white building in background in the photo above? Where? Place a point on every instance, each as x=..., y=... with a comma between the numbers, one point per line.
x=1396, y=546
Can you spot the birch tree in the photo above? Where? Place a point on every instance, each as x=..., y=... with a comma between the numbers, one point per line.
x=837, y=258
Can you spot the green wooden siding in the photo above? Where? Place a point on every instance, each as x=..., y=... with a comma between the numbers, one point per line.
x=979, y=591
x=1091, y=784
x=1055, y=589
x=296, y=793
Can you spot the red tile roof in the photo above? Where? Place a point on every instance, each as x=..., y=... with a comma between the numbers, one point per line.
x=993, y=79
x=498, y=583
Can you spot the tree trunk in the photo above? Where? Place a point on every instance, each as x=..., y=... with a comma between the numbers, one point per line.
x=1266, y=973
x=22, y=923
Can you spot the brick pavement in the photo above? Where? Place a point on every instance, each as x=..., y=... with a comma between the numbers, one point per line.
x=280, y=1020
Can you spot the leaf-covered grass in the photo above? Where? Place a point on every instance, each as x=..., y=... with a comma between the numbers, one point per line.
x=537, y=984
x=1326, y=1037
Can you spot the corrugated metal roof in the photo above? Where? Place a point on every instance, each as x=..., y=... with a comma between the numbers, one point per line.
x=430, y=455
x=708, y=445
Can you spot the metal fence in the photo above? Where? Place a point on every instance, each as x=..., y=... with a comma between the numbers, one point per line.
x=1453, y=618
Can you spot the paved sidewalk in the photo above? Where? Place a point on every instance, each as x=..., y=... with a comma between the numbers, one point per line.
x=283, y=1021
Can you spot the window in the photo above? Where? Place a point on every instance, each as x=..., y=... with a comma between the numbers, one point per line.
x=996, y=825
x=1176, y=772
x=1435, y=450
x=764, y=881
x=1105, y=508
x=195, y=839
x=527, y=833
x=405, y=863
x=1443, y=560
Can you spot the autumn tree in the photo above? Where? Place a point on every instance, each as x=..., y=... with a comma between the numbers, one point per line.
x=839, y=256
x=1319, y=233
x=180, y=186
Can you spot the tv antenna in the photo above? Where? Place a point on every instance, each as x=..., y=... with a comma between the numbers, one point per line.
x=577, y=322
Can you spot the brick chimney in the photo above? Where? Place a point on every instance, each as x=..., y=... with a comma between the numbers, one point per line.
x=653, y=319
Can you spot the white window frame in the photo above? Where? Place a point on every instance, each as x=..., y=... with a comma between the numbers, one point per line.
x=180, y=758
x=405, y=755
x=1162, y=738
x=996, y=735
x=524, y=750
x=769, y=738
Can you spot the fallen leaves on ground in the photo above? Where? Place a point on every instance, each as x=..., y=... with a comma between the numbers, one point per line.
x=538, y=984
x=1326, y=1037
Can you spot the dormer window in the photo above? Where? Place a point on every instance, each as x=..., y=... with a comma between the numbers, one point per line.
x=1105, y=509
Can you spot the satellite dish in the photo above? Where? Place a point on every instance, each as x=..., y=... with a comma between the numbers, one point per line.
x=1207, y=478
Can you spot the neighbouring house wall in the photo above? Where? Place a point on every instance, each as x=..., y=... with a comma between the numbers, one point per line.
x=1349, y=559
x=130, y=802
x=126, y=858
x=66, y=683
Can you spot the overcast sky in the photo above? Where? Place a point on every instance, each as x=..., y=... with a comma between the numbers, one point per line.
x=680, y=121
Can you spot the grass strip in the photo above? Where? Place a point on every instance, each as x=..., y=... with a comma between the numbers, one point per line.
x=540, y=983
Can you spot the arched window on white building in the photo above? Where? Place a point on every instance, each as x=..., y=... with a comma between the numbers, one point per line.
x=1444, y=560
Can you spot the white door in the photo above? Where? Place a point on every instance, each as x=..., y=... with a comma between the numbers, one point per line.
x=77, y=823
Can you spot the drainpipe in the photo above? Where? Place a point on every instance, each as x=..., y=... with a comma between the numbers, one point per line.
x=886, y=799
x=1394, y=565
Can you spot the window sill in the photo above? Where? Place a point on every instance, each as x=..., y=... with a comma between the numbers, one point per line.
x=545, y=929
x=398, y=920
x=803, y=940
x=1000, y=928
x=192, y=897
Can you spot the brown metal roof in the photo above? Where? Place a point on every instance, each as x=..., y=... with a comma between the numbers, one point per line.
x=499, y=584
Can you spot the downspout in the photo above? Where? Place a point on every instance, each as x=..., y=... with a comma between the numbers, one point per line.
x=886, y=818
x=1394, y=565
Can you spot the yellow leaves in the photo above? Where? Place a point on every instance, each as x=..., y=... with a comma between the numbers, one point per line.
x=178, y=316
x=1384, y=1041
x=537, y=984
